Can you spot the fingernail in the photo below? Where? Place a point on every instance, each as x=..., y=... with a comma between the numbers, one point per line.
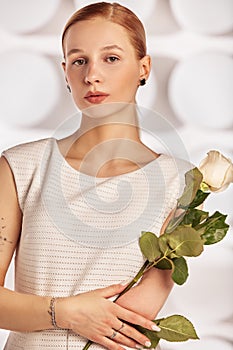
x=112, y=298
x=140, y=347
x=124, y=283
x=147, y=343
x=155, y=328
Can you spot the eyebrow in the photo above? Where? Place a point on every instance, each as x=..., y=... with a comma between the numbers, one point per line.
x=111, y=47
x=105, y=48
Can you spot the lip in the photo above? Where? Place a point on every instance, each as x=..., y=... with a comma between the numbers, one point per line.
x=96, y=97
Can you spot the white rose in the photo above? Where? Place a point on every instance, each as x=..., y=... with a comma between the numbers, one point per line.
x=217, y=171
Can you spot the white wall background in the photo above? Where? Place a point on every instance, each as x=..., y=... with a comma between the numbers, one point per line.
x=191, y=85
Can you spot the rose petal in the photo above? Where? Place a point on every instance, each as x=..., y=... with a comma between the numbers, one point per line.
x=217, y=171
x=229, y=174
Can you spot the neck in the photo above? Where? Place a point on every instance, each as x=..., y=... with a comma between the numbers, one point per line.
x=109, y=142
x=117, y=122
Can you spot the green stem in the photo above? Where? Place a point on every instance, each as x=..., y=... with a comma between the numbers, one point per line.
x=146, y=265
x=164, y=257
x=135, y=279
x=88, y=344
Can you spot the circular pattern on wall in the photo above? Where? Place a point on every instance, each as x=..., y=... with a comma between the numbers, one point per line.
x=25, y=15
x=29, y=88
x=200, y=90
x=208, y=16
x=29, y=19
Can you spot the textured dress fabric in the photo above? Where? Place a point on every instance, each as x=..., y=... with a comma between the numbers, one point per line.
x=80, y=232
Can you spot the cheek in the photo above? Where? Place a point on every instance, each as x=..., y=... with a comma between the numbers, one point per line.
x=74, y=78
x=74, y=73
x=129, y=78
x=129, y=83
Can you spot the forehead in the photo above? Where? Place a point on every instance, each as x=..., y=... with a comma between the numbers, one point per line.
x=97, y=33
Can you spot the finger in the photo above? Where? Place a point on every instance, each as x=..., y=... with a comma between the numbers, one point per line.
x=122, y=339
x=132, y=333
x=132, y=317
x=112, y=290
x=118, y=329
x=110, y=344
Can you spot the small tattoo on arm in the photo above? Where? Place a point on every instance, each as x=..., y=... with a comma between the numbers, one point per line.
x=3, y=238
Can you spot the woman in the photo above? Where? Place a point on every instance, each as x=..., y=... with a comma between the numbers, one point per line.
x=74, y=208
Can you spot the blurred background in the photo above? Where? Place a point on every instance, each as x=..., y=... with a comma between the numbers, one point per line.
x=191, y=85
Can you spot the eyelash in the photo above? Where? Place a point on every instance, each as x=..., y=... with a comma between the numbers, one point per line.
x=115, y=59
x=80, y=59
x=112, y=59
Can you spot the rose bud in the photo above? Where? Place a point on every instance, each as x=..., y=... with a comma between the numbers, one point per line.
x=217, y=171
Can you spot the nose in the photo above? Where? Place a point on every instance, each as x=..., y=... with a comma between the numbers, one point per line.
x=92, y=74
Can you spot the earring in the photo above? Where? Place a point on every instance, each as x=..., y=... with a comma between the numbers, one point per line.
x=142, y=82
x=68, y=88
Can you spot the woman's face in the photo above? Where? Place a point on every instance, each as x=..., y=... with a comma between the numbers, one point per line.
x=101, y=64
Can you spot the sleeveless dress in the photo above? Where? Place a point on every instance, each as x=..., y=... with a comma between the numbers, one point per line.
x=80, y=232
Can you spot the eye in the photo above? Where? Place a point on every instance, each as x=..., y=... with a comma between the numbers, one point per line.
x=79, y=62
x=112, y=59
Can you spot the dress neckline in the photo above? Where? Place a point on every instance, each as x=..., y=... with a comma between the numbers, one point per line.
x=60, y=155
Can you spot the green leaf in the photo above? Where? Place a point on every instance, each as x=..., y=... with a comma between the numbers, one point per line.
x=174, y=222
x=149, y=245
x=194, y=217
x=214, y=228
x=180, y=273
x=152, y=335
x=163, y=244
x=165, y=264
x=193, y=179
x=165, y=247
x=186, y=241
x=176, y=328
x=199, y=199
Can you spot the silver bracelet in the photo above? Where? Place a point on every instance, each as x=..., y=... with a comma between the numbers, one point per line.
x=52, y=313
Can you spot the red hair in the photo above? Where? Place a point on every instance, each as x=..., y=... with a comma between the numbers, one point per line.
x=115, y=13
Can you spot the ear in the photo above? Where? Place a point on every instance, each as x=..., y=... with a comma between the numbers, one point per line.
x=64, y=69
x=145, y=67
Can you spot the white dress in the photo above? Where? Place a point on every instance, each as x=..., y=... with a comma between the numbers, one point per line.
x=79, y=232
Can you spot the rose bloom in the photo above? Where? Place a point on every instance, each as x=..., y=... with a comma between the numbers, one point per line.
x=217, y=171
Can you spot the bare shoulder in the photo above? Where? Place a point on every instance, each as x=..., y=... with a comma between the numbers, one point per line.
x=10, y=217
x=8, y=192
x=6, y=176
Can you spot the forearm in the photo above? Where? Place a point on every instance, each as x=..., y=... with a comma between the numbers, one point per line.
x=148, y=297
x=155, y=286
x=23, y=312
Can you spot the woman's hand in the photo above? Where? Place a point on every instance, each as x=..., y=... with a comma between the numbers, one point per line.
x=93, y=316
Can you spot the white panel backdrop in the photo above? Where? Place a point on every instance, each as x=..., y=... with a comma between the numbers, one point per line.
x=191, y=85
